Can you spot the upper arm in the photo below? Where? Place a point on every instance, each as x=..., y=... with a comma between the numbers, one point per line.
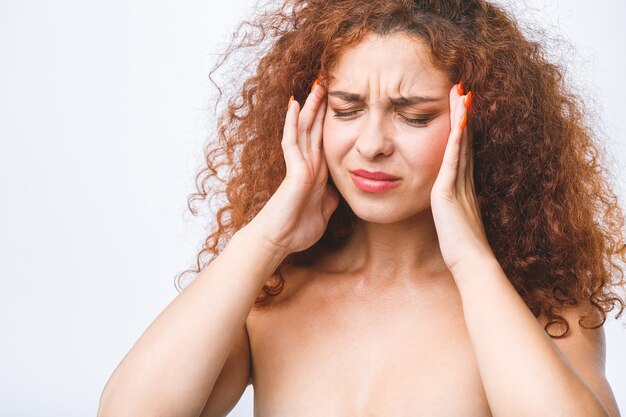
x=232, y=380
x=585, y=351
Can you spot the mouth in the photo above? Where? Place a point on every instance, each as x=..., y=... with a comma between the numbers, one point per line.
x=373, y=182
x=378, y=175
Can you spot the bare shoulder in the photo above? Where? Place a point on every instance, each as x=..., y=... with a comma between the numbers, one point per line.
x=296, y=279
x=585, y=350
x=579, y=339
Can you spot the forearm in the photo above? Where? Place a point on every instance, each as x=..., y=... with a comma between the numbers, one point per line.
x=523, y=372
x=173, y=366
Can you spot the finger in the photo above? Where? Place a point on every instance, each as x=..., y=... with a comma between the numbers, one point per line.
x=470, y=154
x=323, y=173
x=454, y=96
x=307, y=116
x=450, y=164
x=465, y=146
x=289, y=144
x=463, y=160
x=470, y=170
x=317, y=128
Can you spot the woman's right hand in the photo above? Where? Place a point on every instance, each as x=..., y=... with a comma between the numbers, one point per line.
x=297, y=215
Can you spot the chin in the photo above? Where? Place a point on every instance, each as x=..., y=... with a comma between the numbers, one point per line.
x=385, y=207
x=383, y=212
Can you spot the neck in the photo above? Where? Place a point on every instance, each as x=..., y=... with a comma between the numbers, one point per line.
x=379, y=254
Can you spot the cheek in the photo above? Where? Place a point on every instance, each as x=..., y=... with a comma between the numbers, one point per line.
x=428, y=153
x=333, y=140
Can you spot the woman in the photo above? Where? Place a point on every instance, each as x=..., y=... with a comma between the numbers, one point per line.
x=403, y=243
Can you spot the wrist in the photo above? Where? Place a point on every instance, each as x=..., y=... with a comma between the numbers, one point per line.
x=473, y=265
x=253, y=235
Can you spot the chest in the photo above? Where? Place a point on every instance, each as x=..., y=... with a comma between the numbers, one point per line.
x=380, y=357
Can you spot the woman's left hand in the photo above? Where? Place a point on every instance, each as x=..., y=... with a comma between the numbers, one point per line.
x=453, y=198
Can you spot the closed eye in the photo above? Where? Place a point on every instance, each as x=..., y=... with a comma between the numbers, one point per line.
x=418, y=121
x=340, y=115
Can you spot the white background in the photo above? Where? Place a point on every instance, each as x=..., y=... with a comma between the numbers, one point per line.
x=103, y=116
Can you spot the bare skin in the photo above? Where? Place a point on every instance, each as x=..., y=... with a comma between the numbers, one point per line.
x=379, y=327
x=334, y=350
x=376, y=328
x=394, y=322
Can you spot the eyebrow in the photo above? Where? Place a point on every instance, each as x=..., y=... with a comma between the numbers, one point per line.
x=396, y=101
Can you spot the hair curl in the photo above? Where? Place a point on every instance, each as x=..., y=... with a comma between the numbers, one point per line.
x=548, y=209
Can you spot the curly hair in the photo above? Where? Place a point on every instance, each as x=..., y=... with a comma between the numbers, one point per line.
x=543, y=189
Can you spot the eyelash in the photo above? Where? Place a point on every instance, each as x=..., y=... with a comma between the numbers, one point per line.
x=422, y=121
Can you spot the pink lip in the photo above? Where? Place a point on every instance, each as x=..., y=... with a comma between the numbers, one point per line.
x=378, y=175
x=373, y=185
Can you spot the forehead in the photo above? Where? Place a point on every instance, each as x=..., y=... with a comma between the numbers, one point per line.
x=400, y=61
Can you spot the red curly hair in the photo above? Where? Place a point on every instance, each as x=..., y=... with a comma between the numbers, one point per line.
x=548, y=209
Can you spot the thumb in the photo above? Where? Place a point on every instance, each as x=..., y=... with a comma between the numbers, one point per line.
x=330, y=201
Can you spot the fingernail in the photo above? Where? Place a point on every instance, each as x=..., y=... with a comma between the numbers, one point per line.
x=460, y=89
x=468, y=100
x=314, y=84
x=463, y=121
x=289, y=105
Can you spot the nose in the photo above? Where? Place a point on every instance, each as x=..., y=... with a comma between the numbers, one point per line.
x=374, y=136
